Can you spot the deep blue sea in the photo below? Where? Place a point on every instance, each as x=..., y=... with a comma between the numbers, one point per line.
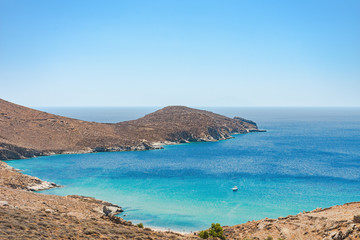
x=308, y=158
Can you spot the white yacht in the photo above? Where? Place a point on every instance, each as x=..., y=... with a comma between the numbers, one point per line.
x=235, y=188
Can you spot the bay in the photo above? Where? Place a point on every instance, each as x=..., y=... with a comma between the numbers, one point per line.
x=308, y=158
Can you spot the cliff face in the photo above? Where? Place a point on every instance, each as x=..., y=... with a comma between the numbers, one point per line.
x=26, y=132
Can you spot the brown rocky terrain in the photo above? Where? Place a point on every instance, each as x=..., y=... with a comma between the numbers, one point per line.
x=28, y=215
x=337, y=222
x=11, y=178
x=26, y=132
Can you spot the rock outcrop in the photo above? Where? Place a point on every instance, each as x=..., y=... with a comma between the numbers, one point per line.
x=10, y=177
x=26, y=133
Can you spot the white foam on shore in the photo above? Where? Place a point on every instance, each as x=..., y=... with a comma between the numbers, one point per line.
x=160, y=229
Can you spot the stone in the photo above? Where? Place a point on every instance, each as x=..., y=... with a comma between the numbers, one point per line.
x=337, y=235
x=43, y=185
x=49, y=210
x=111, y=210
x=4, y=203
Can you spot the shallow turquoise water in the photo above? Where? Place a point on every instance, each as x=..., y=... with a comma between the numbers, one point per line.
x=309, y=158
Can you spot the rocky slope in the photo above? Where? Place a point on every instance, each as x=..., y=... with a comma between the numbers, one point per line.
x=338, y=223
x=28, y=215
x=11, y=178
x=26, y=132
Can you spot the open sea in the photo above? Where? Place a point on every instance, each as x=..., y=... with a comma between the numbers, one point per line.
x=308, y=158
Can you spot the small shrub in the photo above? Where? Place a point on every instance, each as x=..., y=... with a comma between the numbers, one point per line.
x=216, y=231
x=204, y=234
x=140, y=225
x=269, y=238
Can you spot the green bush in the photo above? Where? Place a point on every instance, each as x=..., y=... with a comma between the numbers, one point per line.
x=140, y=225
x=215, y=231
x=204, y=234
x=269, y=238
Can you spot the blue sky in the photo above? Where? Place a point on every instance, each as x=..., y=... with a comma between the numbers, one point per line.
x=180, y=52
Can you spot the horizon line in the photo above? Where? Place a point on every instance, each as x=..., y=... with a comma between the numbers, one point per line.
x=191, y=106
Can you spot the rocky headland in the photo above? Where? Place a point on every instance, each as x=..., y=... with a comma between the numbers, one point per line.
x=26, y=133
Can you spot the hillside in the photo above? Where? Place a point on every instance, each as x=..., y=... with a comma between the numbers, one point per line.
x=29, y=215
x=25, y=132
x=337, y=222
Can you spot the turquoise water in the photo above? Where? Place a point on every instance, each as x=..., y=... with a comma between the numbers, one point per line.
x=309, y=158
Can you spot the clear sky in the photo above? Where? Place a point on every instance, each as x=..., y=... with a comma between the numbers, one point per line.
x=180, y=52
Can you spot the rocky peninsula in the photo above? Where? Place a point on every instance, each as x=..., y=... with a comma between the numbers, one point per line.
x=26, y=133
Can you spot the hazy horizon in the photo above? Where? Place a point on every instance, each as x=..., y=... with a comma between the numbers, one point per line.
x=214, y=106
x=272, y=53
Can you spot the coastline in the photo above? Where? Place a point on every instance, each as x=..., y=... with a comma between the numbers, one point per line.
x=41, y=185
x=336, y=222
x=18, y=199
x=112, y=209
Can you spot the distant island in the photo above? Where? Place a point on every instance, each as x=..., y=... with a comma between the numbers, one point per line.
x=26, y=133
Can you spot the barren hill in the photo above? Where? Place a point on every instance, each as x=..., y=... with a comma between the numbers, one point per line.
x=25, y=132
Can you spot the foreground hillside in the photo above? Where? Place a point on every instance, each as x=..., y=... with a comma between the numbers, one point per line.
x=338, y=222
x=26, y=132
x=28, y=215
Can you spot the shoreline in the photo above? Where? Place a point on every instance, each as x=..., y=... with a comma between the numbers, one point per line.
x=19, y=198
x=251, y=228
x=158, y=145
x=41, y=188
x=40, y=185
